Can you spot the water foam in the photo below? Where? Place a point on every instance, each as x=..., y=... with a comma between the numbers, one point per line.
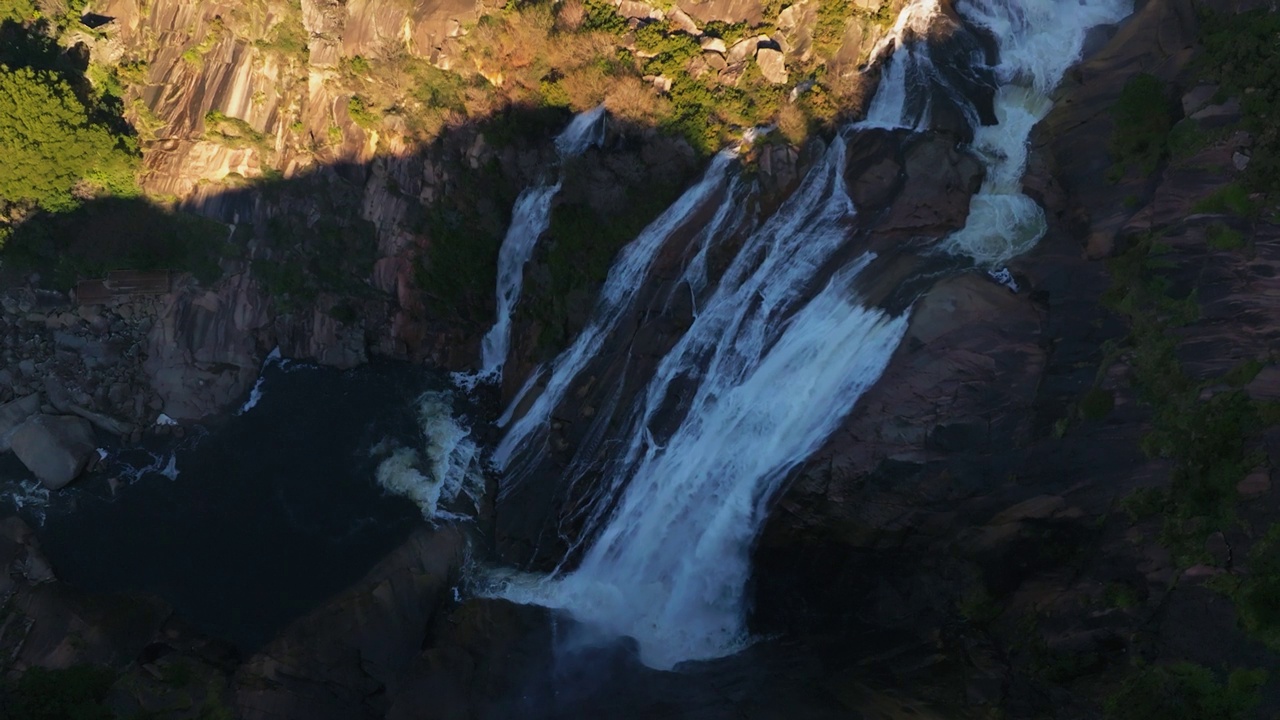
x=1038, y=40
x=444, y=469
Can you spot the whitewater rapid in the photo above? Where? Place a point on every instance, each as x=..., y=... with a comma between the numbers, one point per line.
x=1038, y=41
x=443, y=469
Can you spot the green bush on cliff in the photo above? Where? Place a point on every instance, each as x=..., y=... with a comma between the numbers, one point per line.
x=76, y=693
x=1143, y=118
x=1241, y=53
x=118, y=234
x=1258, y=599
x=1210, y=441
x=1185, y=692
x=17, y=10
x=54, y=154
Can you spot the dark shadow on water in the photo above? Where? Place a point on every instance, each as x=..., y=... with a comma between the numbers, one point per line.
x=271, y=512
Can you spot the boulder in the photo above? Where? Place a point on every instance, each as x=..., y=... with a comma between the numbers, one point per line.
x=713, y=45
x=57, y=448
x=772, y=65
x=742, y=50
x=13, y=414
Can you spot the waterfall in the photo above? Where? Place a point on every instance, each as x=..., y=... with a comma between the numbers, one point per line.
x=620, y=287
x=772, y=376
x=1038, y=40
x=529, y=219
x=774, y=359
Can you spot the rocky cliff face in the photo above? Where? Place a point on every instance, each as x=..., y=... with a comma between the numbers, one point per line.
x=970, y=501
x=273, y=95
x=958, y=544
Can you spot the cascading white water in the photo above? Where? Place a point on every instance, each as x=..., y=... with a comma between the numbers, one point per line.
x=1038, y=40
x=766, y=372
x=586, y=129
x=773, y=377
x=529, y=219
x=620, y=287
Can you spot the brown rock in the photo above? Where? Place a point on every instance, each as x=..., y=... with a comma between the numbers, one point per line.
x=56, y=448
x=772, y=65
x=13, y=414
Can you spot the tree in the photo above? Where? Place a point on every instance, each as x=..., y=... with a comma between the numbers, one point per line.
x=52, y=152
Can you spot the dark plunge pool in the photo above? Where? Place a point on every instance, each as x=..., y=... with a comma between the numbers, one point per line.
x=270, y=512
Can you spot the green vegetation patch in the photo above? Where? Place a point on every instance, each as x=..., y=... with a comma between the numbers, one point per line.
x=1209, y=439
x=1143, y=116
x=335, y=254
x=1097, y=404
x=1223, y=237
x=118, y=234
x=54, y=154
x=1232, y=199
x=76, y=693
x=1242, y=54
x=1185, y=692
x=233, y=132
x=1258, y=595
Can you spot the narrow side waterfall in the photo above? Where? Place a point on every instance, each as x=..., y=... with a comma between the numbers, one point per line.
x=586, y=129
x=1038, y=41
x=620, y=286
x=529, y=220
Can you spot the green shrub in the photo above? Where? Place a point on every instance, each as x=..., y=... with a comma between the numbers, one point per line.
x=232, y=131
x=1258, y=599
x=1241, y=53
x=1221, y=237
x=1097, y=404
x=360, y=112
x=1185, y=692
x=118, y=234
x=18, y=11
x=1143, y=118
x=76, y=693
x=1232, y=198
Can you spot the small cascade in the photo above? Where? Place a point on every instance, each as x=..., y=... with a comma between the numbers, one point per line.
x=529, y=220
x=1038, y=40
x=584, y=131
x=620, y=287
x=446, y=467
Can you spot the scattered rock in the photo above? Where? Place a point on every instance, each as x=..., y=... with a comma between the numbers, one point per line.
x=1255, y=484
x=13, y=414
x=1197, y=97
x=742, y=50
x=104, y=422
x=713, y=45
x=56, y=448
x=772, y=65
x=683, y=22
